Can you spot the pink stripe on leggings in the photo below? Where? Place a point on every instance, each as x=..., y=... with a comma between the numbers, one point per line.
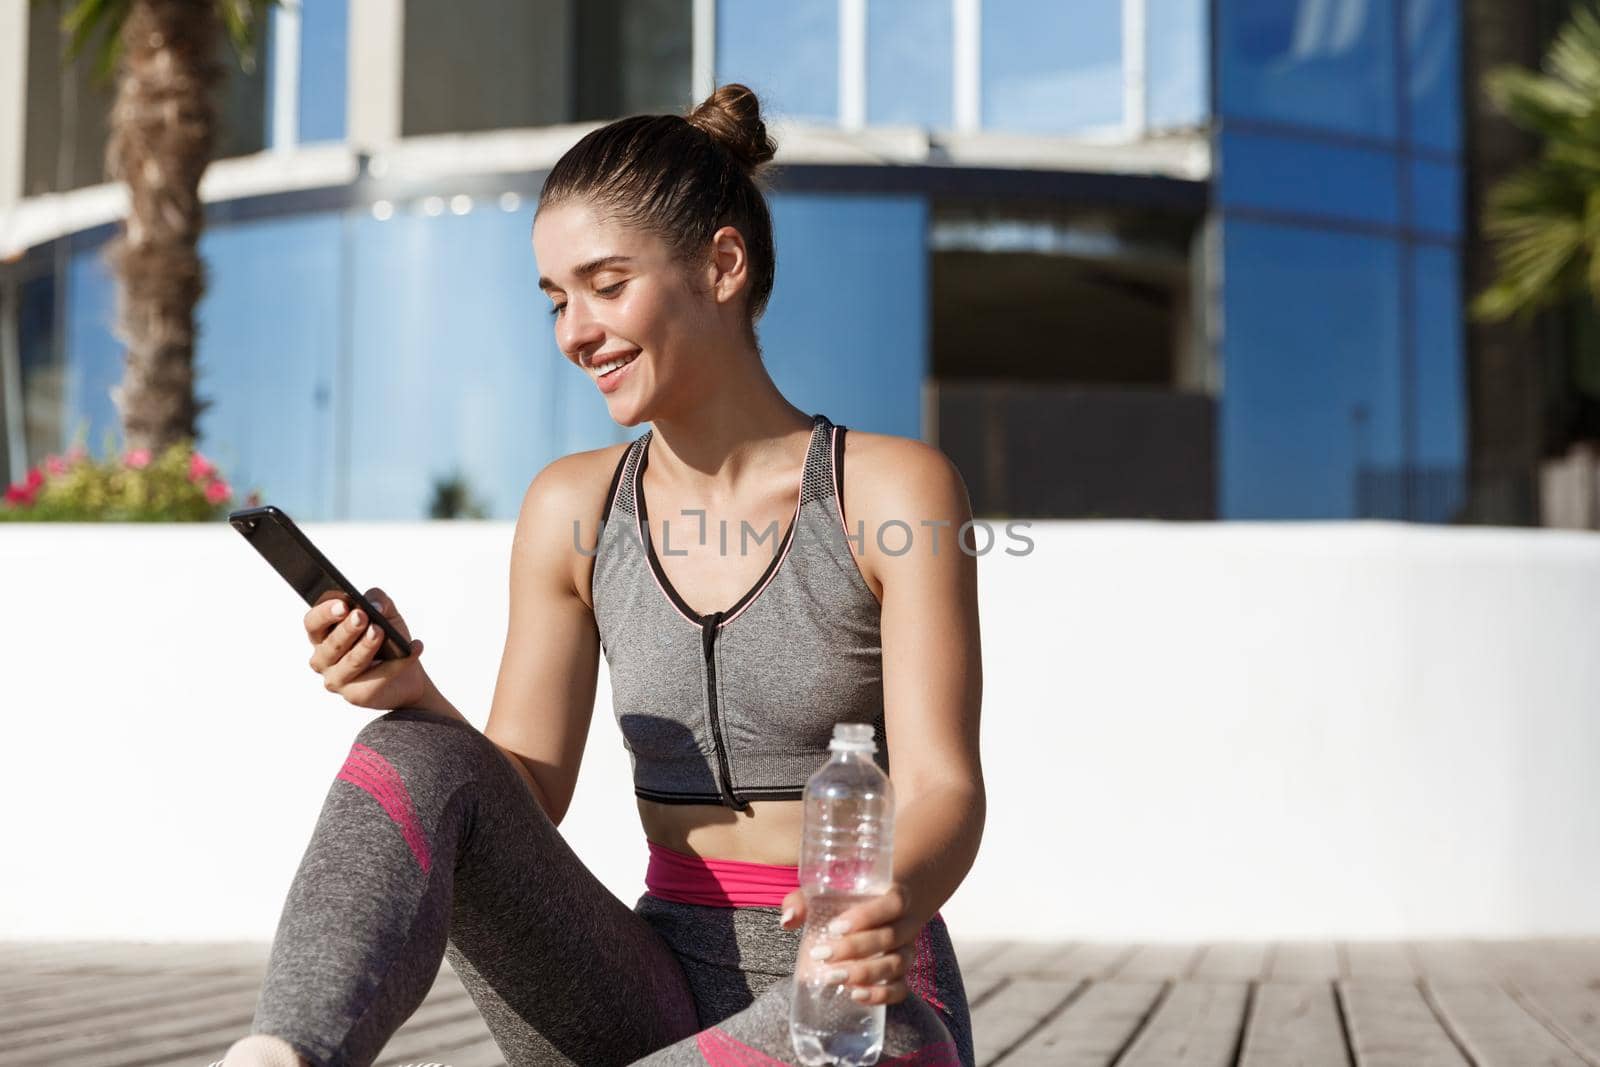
x=370, y=771
x=938, y=1054
x=723, y=1050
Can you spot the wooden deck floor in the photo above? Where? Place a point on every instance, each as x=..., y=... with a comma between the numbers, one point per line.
x=1366, y=1004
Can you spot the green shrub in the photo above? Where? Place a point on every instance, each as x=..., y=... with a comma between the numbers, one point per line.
x=180, y=485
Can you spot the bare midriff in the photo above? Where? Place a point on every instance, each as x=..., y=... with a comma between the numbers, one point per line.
x=769, y=832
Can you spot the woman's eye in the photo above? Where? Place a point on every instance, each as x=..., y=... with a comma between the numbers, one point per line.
x=556, y=310
x=611, y=290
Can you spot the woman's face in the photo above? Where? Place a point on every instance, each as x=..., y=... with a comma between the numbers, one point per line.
x=625, y=310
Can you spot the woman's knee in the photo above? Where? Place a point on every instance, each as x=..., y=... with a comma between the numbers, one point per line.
x=422, y=753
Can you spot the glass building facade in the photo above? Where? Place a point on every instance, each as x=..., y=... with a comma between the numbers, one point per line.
x=1339, y=188
x=1087, y=327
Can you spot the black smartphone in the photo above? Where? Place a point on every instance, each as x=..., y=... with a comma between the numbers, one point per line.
x=291, y=553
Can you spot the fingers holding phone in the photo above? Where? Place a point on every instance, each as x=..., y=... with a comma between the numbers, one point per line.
x=345, y=647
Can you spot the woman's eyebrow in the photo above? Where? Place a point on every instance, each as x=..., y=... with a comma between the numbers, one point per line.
x=583, y=270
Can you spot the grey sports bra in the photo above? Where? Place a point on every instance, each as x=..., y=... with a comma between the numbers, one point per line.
x=739, y=705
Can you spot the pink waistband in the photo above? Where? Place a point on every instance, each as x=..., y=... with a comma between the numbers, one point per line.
x=685, y=879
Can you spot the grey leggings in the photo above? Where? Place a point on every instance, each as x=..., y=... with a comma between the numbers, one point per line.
x=429, y=844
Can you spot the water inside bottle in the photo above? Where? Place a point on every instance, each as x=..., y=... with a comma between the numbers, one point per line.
x=826, y=1024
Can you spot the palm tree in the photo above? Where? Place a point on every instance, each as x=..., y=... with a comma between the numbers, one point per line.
x=1507, y=374
x=1545, y=218
x=162, y=129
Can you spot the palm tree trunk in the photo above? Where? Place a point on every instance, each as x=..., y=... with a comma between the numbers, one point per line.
x=162, y=129
x=1505, y=361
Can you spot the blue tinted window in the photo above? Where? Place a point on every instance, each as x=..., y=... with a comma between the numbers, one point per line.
x=1311, y=178
x=788, y=53
x=324, y=40
x=1433, y=52
x=1324, y=63
x=43, y=406
x=452, y=360
x=861, y=264
x=1050, y=67
x=1311, y=409
x=909, y=62
x=1435, y=193
x=1441, y=433
x=1177, y=74
x=270, y=375
x=93, y=353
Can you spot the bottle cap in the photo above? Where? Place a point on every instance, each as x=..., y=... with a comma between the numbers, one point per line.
x=852, y=737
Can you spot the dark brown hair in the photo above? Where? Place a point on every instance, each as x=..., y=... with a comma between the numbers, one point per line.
x=681, y=178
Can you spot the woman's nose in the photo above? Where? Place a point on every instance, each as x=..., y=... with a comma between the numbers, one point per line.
x=577, y=329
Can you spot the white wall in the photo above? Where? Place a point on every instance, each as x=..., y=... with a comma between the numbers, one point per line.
x=1190, y=731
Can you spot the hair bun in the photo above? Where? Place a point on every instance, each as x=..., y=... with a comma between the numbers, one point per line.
x=731, y=116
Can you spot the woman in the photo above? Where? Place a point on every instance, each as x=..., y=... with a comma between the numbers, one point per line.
x=729, y=670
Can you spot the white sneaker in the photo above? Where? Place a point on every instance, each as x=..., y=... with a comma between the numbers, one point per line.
x=260, y=1050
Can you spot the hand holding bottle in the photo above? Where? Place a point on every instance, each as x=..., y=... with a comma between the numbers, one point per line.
x=874, y=947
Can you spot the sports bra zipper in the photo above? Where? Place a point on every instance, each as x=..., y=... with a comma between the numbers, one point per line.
x=708, y=637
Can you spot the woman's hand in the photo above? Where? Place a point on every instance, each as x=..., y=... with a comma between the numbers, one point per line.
x=344, y=644
x=871, y=953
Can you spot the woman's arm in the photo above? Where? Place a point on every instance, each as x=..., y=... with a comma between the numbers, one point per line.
x=544, y=695
x=932, y=664
x=932, y=692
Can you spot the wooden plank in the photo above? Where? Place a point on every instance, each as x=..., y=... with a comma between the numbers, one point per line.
x=1294, y=1024
x=1229, y=961
x=1451, y=961
x=1391, y=1025
x=1495, y=1030
x=1095, y=960
x=74, y=1018
x=97, y=1001
x=1092, y=1030
x=1164, y=961
x=982, y=987
x=973, y=954
x=478, y=1054
x=1037, y=960
x=1382, y=961
x=1544, y=960
x=1197, y=1025
x=1569, y=1009
x=1002, y=1021
x=433, y=1040
x=183, y=1028
x=1304, y=961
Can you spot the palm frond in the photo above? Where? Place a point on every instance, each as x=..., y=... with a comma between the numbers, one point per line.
x=83, y=20
x=1544, y=220
x=1574, y=58
x=244, y=21
x=1537, y=103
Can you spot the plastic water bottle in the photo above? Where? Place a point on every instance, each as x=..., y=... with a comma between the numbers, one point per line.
x=845, y=858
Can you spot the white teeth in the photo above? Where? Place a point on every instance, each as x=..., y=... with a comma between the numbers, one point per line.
x=605, y=368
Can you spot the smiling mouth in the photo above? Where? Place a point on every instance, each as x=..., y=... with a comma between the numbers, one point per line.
x=611, y=366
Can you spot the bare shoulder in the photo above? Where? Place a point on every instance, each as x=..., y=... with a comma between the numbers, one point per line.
x=558, y=524
x=899, y=491
x=899, y=470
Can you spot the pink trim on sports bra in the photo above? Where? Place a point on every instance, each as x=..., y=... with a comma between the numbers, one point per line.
x=685, y=879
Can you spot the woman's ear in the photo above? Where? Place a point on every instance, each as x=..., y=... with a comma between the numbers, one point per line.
x=729, y=264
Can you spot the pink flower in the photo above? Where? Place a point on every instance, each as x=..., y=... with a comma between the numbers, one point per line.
x=35, y=479
x=19, y=495
x=55, y=464
x=137, y=458
x=76, y=452
x=200, y=467
x=217, y=492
